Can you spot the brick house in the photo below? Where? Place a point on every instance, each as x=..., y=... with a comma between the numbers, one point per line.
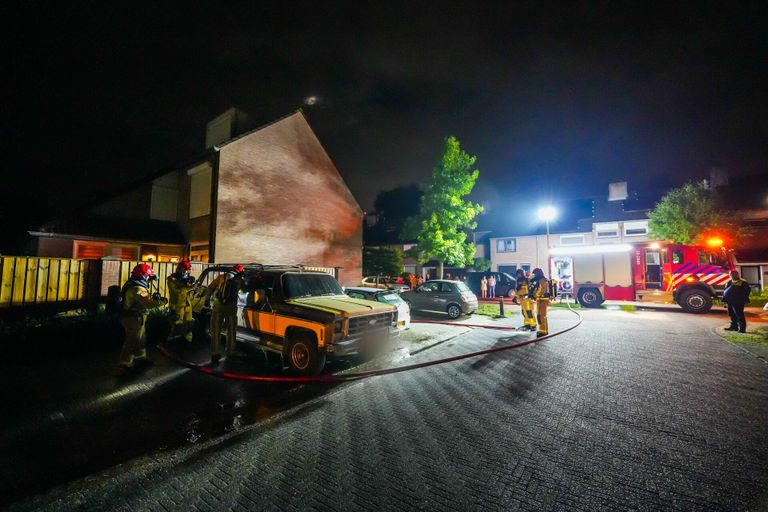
x=269, y=195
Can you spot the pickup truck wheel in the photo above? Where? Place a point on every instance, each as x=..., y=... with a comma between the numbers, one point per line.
x=695, y=301
x=590, y=297
x=454, y=311
x=303, y=357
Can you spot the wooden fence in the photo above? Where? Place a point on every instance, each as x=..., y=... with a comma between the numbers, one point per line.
x=64, y=283
x=29, y=280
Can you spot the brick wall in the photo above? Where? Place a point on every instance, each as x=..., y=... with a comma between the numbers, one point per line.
x=281, y=200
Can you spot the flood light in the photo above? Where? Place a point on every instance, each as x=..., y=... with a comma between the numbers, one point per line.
x=547, y=213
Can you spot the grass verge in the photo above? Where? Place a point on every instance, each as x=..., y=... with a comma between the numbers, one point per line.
x=758, y=336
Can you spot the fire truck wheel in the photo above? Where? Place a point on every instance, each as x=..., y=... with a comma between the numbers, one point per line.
x=302, y=355
x=695, y=301
x=590, y=297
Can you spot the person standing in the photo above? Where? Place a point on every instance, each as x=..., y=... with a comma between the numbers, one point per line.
x=224, y=290
x=412, y=281
x=492, y=287
x=541, y=292
x=736, y=295
x=136, y=303
x=522, y=286
x=420, y=281
x=180, y=284
x=484, y=288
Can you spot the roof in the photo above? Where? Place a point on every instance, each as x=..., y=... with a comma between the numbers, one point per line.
x=147, y=231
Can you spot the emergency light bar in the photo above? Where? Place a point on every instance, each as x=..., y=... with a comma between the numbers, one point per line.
x=592, y=249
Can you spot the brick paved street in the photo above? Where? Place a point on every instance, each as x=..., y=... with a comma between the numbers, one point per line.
x=632, y=410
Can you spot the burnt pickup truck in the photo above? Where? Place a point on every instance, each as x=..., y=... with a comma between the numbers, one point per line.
x=304, y=316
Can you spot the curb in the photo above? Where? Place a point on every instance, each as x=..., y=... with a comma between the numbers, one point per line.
x=740, y=346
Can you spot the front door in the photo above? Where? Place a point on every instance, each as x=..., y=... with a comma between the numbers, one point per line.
x=653, y=274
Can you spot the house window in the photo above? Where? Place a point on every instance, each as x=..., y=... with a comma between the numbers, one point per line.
x=607, y=230
x=635, y=228
x=506, y=245
x=571, y=239
x=508, y=269
x=526, y=268
x=97, y=250
x=200, y=191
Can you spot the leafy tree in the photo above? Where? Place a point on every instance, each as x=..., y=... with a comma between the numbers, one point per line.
x=384, y=261
x=691, y=214
x=481, y=264
x=443, y=212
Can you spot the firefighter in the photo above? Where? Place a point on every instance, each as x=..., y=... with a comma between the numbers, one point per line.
x=736, y=295
x=180, y=284
x=224, y=291
x=136, y=303
x=526, y=303
x=541, y=291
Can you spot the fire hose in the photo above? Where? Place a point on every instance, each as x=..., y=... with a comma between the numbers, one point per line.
x=208, y=370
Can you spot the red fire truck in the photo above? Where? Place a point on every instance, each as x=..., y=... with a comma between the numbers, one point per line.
x=644, y=272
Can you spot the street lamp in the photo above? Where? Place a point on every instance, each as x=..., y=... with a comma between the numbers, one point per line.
x=548, y=214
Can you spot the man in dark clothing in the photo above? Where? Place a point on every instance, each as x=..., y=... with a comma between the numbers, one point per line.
x=736, y=295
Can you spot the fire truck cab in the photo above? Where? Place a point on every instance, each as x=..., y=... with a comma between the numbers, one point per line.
x=658, y=272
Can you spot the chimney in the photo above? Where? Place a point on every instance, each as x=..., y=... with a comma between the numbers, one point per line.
x=617, y=191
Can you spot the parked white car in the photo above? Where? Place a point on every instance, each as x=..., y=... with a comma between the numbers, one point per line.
x=384, y=283
x=386, y=296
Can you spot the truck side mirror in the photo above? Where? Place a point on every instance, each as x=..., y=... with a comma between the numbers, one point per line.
x=257, y=297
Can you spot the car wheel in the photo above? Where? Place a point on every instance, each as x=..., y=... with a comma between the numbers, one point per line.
x=511, y=293
x=695, y=301
x=590, y=297
x=303, y=357
x=454, y=311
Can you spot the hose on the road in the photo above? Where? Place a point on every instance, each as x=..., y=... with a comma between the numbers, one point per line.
x=209, y=370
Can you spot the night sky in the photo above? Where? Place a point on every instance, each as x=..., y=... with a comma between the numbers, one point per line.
x=561, y=98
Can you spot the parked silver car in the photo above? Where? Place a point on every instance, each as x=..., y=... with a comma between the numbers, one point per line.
x=442, y=296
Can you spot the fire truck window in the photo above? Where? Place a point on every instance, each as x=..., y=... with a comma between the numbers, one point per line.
x=713, y=258
x=677, y=256
x=664, y=257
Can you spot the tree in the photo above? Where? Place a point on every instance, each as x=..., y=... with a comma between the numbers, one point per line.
x=481, y=264
x=691, y=214
x=443, y=213
x=382, y=261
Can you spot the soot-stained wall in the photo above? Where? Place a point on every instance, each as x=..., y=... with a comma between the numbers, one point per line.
x=281, y=200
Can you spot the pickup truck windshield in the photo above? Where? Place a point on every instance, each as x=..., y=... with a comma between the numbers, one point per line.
x=310, y=285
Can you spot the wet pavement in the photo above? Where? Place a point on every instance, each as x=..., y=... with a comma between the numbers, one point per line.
x=68, y=415
x=632, y=410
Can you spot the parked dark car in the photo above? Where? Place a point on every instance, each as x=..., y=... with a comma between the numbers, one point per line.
x=442, y=296
x=505, y=283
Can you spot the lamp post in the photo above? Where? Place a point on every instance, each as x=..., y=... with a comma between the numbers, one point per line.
x=547, y=214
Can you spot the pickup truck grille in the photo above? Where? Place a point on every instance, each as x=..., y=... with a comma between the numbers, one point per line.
x=361, y=324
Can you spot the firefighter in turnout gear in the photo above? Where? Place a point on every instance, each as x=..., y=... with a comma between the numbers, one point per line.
x=180, y=284
x=136, y=303
x=541, y=291
x=526, y=303
x=224, y=291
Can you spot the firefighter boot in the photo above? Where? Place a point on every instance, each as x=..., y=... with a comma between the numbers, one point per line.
x=541, y=315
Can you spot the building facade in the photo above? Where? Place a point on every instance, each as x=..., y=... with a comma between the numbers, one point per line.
x=271, y=195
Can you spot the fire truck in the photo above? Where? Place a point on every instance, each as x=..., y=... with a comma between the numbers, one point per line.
x=658, y=272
